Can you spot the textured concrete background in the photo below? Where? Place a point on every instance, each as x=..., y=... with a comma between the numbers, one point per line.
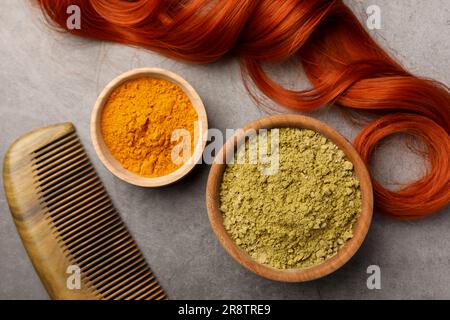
x=47, y=77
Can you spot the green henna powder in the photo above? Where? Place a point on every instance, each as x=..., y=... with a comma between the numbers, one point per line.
x=303, y=213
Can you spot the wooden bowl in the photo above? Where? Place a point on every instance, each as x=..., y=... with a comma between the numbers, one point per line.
x=113, y=165
x=290, y=275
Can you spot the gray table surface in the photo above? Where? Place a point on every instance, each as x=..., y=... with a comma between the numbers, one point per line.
x=48, y=77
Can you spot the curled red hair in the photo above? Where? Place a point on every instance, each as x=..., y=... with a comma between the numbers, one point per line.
x=345, y=66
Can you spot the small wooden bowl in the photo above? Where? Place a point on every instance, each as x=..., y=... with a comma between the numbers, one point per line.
x=114, y=165
x=290, y=275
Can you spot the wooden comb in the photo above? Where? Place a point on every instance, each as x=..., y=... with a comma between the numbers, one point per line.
x=66, y=218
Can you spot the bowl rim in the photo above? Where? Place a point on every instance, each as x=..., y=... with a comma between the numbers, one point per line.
x=291, y=275
x=112, y=164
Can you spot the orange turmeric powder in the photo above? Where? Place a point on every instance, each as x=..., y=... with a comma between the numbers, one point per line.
x=138, y=121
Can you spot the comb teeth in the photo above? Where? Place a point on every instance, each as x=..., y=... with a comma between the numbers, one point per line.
x=86, y=224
